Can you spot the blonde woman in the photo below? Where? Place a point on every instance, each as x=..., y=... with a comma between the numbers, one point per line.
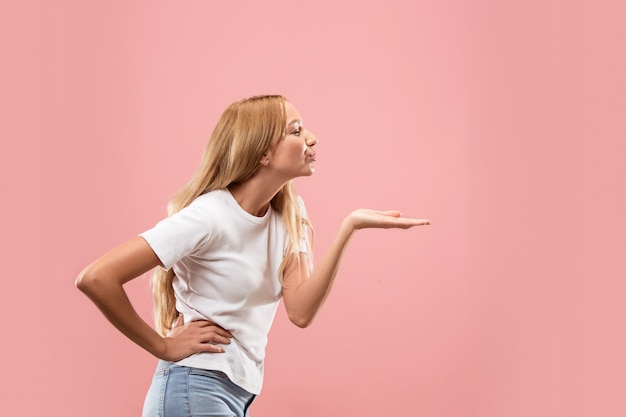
x=236, y=241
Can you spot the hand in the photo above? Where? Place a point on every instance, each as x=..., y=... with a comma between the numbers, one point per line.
x=194, y=337
x=366, y=218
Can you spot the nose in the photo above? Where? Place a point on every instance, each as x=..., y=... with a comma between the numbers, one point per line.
x=311, y=140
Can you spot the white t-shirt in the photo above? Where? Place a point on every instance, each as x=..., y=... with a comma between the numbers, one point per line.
x=226, y=263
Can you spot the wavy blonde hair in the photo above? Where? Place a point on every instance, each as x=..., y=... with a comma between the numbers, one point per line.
x=244, y=133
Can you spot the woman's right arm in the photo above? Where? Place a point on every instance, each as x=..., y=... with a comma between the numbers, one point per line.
x=103, y=281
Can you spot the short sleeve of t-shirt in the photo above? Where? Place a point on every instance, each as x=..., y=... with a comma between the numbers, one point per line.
x=179, y=235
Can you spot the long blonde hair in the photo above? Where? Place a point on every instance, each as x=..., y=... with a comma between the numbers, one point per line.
x=246, y=130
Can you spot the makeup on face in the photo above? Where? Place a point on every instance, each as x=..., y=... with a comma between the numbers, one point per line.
x=294, y=125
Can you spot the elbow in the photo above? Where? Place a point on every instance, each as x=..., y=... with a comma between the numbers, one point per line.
x=87, y=281
x=300, y=311
x=301, y=321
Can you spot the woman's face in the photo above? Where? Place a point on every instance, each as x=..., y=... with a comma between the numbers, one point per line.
x=294, y=155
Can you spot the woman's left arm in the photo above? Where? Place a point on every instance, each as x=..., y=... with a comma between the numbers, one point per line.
x=304, y=292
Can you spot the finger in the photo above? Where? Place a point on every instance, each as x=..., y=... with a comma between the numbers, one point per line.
x=180, y=321
x=201, y=323
x=419, y=222
x=216, y=334
x=392, y=213
x=208, y=334
x=208, y=347
x=217, y=339
x=222, y=332
x=407, y=223
x=207, y=325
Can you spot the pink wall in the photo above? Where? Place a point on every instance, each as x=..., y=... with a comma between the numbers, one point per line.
x=505, y=124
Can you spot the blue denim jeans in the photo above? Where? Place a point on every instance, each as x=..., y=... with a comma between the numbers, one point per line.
x=180, y=391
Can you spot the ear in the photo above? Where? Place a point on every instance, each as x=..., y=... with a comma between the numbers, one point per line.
x=265, y=160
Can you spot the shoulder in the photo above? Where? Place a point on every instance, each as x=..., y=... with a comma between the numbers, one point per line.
x=210, y=198
x=213, y=201
x=200, y=213
x=215, y=209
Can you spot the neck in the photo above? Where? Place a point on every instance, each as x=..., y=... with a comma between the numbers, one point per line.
x=255, y=195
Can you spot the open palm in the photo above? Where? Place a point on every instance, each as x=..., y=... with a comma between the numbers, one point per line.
x=367, y=218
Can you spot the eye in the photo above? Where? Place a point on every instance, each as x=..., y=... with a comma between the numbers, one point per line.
x=296, y=128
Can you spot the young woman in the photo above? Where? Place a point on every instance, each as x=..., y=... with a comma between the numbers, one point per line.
x=237, y=241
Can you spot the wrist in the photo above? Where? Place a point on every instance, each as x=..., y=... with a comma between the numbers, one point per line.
x=349, y=224
x=161, y=348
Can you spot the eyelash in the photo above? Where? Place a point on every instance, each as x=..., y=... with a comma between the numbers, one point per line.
x=296, y=132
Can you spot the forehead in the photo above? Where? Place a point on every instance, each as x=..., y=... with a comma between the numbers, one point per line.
x=292, y=113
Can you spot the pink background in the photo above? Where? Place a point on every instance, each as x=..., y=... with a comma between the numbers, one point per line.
x=502, y=122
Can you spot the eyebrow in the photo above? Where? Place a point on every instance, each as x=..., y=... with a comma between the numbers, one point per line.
x=294, y=122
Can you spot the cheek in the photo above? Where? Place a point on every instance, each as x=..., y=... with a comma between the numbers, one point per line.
x=298, y=149
x=291, y=149
x=295, y=149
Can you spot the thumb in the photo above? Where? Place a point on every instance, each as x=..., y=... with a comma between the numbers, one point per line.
x=392, y=213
